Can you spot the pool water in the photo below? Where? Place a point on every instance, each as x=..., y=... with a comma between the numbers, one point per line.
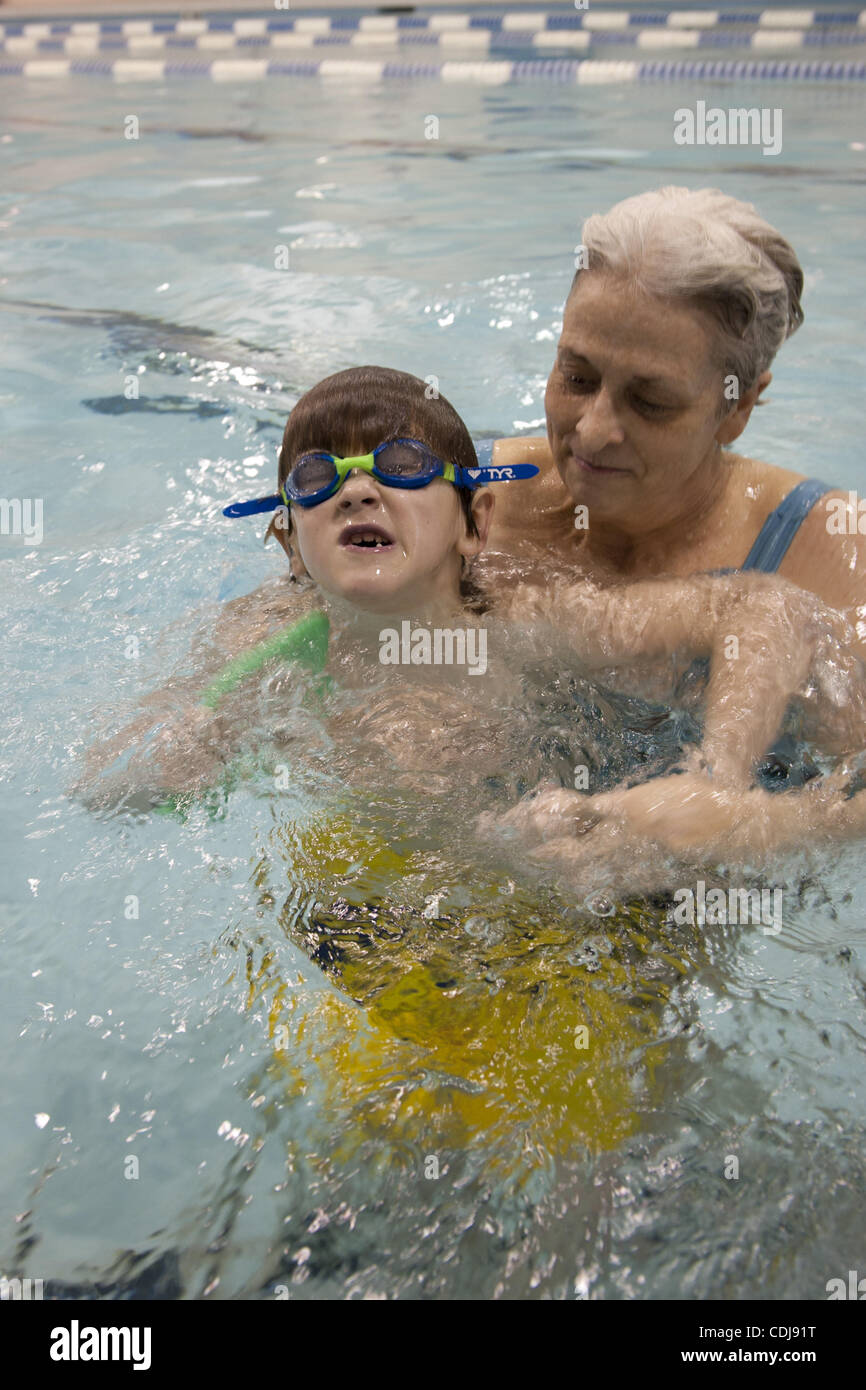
x=342, y=1047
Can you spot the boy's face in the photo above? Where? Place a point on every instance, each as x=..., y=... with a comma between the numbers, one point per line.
x=387, y=549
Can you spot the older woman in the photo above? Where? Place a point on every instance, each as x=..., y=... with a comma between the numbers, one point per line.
x=669, y=331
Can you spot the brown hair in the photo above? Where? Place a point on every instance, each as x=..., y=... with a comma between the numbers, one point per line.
x=352, y=412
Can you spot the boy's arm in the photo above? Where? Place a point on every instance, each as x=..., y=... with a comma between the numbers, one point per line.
x=178, y=743
x=175, y=745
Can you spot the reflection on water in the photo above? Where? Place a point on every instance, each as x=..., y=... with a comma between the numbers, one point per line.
x=406, y=1068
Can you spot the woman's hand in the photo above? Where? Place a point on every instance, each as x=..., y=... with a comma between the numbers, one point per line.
x=679, y=814
x=549, y=813
x=632, y=839
x=591, y=846
x=687, y=814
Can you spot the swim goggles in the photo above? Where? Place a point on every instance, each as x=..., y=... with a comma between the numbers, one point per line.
x=405, y=463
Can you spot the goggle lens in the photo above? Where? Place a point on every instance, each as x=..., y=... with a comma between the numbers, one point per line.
x=313, y=472
x=400, y=458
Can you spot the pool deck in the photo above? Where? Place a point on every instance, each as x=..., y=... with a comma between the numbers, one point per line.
x=96, y=9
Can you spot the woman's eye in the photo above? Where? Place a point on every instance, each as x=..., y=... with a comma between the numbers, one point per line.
x=649, y=407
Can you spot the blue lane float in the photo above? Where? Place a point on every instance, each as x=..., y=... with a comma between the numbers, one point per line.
x=487, y=41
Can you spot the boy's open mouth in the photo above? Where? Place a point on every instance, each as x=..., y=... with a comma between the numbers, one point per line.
x=365, y=536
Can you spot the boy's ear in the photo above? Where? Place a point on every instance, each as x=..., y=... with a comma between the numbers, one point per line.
x=483, y=503
x=283, y=534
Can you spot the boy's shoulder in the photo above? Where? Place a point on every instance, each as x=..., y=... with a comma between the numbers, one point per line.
x=250, y=619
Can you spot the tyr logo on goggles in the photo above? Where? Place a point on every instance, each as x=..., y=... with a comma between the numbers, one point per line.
x=404, y=463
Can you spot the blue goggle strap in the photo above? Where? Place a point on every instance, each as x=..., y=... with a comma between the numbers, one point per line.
x=461, y=477
x=258, y=504
x=480, y=477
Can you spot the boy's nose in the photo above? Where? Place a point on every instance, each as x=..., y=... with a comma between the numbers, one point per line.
x=359, y=487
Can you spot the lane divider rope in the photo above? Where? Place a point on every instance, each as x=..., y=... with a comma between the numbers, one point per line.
x=490, y=73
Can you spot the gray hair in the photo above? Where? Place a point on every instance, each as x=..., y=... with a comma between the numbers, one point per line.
x=713, y=251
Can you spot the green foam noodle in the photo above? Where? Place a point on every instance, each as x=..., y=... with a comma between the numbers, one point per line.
x=305, y=642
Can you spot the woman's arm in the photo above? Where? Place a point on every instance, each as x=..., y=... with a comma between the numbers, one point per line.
x=828, y=557
x=641, y=839
x=690, y=815
x=762, y=636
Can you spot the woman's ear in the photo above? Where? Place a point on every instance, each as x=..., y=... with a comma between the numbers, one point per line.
x=483, y=503
x=736, y=420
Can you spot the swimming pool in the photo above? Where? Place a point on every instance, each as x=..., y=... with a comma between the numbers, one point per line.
x=151, y=353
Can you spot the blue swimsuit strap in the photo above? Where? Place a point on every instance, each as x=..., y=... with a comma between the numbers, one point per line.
x=782, y=525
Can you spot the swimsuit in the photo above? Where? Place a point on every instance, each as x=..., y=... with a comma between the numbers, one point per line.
x=782, y=525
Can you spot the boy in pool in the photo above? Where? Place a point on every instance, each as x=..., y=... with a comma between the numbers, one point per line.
x=382, y=505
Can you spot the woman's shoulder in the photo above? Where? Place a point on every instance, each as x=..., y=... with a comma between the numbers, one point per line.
x=535, y=511
x=764, y=484
x=827, y=552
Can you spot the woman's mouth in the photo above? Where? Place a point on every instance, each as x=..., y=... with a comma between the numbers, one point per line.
x=590, y=466
x=365, y=536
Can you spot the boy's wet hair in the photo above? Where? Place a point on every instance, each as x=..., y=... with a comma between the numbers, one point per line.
x=351, y=413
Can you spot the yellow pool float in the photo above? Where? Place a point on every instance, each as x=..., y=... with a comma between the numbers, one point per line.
x=497, y=1019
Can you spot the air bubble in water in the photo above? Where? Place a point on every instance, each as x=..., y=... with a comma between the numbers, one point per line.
x=600, y=905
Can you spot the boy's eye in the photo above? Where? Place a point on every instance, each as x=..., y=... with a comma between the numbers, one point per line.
x=313, y=472
x=402, y=460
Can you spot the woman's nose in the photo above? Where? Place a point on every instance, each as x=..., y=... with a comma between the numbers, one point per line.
x=598, y=423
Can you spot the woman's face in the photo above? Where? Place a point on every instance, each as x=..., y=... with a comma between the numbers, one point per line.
x=389, y=549
x=633, y=403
